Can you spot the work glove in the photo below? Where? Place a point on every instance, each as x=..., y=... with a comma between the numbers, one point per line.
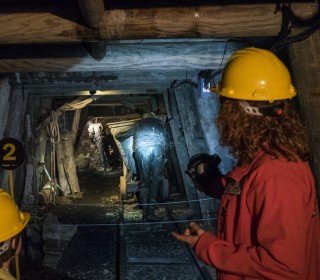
x=203, y=170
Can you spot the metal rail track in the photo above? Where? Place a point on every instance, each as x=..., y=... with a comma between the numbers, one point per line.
x=123, y=260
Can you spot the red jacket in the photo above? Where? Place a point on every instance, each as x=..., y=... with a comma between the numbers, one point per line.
x=268, y=226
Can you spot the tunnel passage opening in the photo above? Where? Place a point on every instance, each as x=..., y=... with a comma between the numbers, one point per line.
x=108, y=191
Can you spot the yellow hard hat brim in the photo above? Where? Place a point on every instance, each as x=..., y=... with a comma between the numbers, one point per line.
x=257, y=75
x=25, y=217
x=244, y=96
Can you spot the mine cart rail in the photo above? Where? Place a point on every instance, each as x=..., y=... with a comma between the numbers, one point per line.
x=125, y=260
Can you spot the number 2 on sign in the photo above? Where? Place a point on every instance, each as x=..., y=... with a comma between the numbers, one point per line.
x=9, y=155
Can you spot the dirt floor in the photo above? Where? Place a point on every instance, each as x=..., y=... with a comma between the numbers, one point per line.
x=81, y=239
x=91, y=251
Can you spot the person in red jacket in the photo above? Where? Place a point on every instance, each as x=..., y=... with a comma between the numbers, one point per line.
x=268, y=222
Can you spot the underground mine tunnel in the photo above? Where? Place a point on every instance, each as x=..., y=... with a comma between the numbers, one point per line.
x=104, y=104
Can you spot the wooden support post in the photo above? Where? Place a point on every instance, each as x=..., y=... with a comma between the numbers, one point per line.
x=98, y=50
x=4, y=101
x=69, y=163
x=30, y=190
x=82, y=124
x=195, y=141
x=15, y=129
x=305, y=64
x=18, y=107
x=174, y=168
x=92, y=12
x=181, y=148
x=63, y=180
x=75, y=125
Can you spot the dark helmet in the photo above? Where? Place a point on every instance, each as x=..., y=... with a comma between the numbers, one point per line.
x=203, y=168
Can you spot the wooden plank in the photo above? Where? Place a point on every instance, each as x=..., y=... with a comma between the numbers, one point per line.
x=173, y=169
x=60, y=92
x=194, y=137
x=18, y=106
x=90, y=79
x=69, y=162
x=30, y=190
x=167, y=22
x=305, y=64
x=120, y=57
x=131, y=84
x=62, y=176
x=174, y=174
x=82, y=124
x=180, y=146
x=75, y=125
x=4, y=100
x=15, y=129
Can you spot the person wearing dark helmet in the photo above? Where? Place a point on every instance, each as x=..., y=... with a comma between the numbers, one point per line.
x=268, y=222
x=12, y=223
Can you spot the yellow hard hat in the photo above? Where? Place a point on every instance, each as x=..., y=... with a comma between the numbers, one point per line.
x=255, y=74
x=12, y=221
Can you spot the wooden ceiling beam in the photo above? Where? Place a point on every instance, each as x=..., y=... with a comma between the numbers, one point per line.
x=92, y=12
x=114, y=92
x=242, y=20
x=121, y=57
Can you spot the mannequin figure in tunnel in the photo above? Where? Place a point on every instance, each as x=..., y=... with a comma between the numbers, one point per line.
x=268, y=219
x=150, y=146
x=108, y=156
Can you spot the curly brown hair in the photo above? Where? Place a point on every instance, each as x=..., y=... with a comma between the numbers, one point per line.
x=6, y=256
x=245, y=134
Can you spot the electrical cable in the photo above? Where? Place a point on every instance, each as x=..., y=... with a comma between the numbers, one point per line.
x=289, y=20
x=296, y=38
x=219, y=71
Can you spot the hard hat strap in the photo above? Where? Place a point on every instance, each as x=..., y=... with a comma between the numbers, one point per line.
x=271, y=110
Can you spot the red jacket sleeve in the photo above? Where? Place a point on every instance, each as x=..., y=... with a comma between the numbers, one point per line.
x=280, y=207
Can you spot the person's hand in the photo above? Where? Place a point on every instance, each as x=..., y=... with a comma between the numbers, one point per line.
x=191, y=235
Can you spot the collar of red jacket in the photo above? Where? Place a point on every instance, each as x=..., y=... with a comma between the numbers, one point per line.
x=240, y=171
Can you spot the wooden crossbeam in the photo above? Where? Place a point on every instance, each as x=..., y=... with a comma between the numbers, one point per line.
x=120, y=57
x=250, y=20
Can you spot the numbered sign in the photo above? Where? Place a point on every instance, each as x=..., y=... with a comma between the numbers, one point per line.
x=12, y=153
